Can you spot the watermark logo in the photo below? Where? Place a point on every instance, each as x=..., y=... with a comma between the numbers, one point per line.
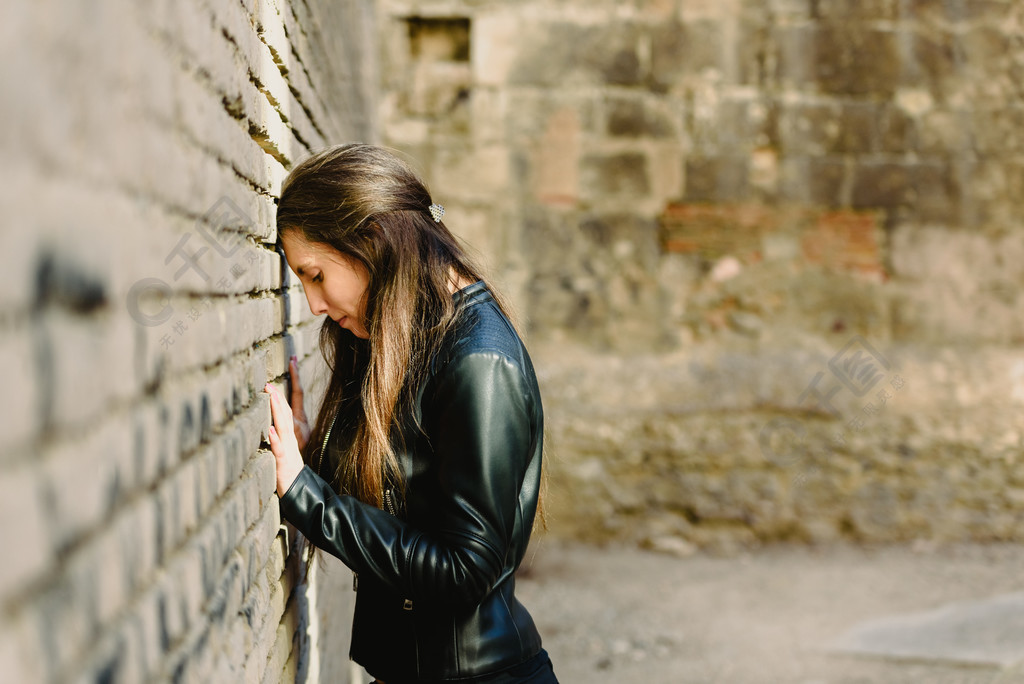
x=859, y=368
x=223, y=229
x=228, y=221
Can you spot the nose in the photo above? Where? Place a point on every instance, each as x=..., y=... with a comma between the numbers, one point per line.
x=317, y=305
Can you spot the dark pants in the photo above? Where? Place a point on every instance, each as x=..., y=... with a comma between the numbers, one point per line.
x=536, y=670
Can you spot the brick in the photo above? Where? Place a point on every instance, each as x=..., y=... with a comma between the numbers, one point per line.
x=846, y=241
x=77, y=392
x=134, y=531
x=23, y=657
x=263, y=67
x=83, y=480
x=203, y=115
x=201, y=42
x=23, y=502
x=20, y=414
x=227, y=326
x=713, y=231
x=278, y=655
x=68, y=612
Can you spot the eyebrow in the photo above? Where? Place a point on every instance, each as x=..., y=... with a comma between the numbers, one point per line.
x=300, y=271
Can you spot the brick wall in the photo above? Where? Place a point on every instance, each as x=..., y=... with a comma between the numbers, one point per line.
x=698, y=205
x=142, y=309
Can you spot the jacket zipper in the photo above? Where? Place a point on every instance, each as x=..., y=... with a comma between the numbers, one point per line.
x=327, y=436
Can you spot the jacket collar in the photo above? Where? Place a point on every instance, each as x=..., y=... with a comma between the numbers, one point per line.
x=471, y=294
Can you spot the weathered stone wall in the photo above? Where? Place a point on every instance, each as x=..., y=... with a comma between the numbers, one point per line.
x=769, y=253
x=143, y=308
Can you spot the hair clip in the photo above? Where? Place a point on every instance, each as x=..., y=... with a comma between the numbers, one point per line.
x=436, y=211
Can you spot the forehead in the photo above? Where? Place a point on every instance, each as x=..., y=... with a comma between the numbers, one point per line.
x=301, y=254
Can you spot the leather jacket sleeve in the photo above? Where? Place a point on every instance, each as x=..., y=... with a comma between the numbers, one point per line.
x=479, y=415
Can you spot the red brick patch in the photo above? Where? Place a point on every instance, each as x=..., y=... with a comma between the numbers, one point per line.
x=842, y=240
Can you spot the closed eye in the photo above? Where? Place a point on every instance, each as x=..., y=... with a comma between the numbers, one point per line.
x=318, y=277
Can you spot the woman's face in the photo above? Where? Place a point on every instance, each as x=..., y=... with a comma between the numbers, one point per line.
x=335, y=284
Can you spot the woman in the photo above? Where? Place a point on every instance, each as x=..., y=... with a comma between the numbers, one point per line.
x=423, y=470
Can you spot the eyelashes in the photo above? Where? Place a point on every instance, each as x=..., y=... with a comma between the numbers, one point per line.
x=318, y=278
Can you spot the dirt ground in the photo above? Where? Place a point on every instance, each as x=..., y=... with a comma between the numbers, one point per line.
x=627, y=615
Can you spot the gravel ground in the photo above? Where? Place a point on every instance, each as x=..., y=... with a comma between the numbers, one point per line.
x=626, y=615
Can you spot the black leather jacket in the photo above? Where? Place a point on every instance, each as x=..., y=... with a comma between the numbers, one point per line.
x=436, y=583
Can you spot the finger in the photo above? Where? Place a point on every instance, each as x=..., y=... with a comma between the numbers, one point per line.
x=275, y=442
x=279, y=409
x=293, y=368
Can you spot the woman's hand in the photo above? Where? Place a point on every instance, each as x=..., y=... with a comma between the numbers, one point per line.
x=298, y=411
x=284, y=443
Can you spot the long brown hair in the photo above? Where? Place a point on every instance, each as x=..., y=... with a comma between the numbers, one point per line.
x=366, y=203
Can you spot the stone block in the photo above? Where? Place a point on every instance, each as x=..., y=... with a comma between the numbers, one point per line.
x=471, y=174
x=738, y=125
x=887, y=185
x=753, y=62
x=556, y=160
x=565, y=54
x=439, y=38
x=639, y=118
x=858, y=129
x=615, y=176
x=439, y=89
x=864, y=11
x=818, y=181
x=998, y=131
x=928, y=191
x=839, y=60
x=809, y=128
x=857, y=61
x=717, y=179
x=496, y=38
x=938, y=192
x=933, y=63
x=680, y=50
x=897, y=131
